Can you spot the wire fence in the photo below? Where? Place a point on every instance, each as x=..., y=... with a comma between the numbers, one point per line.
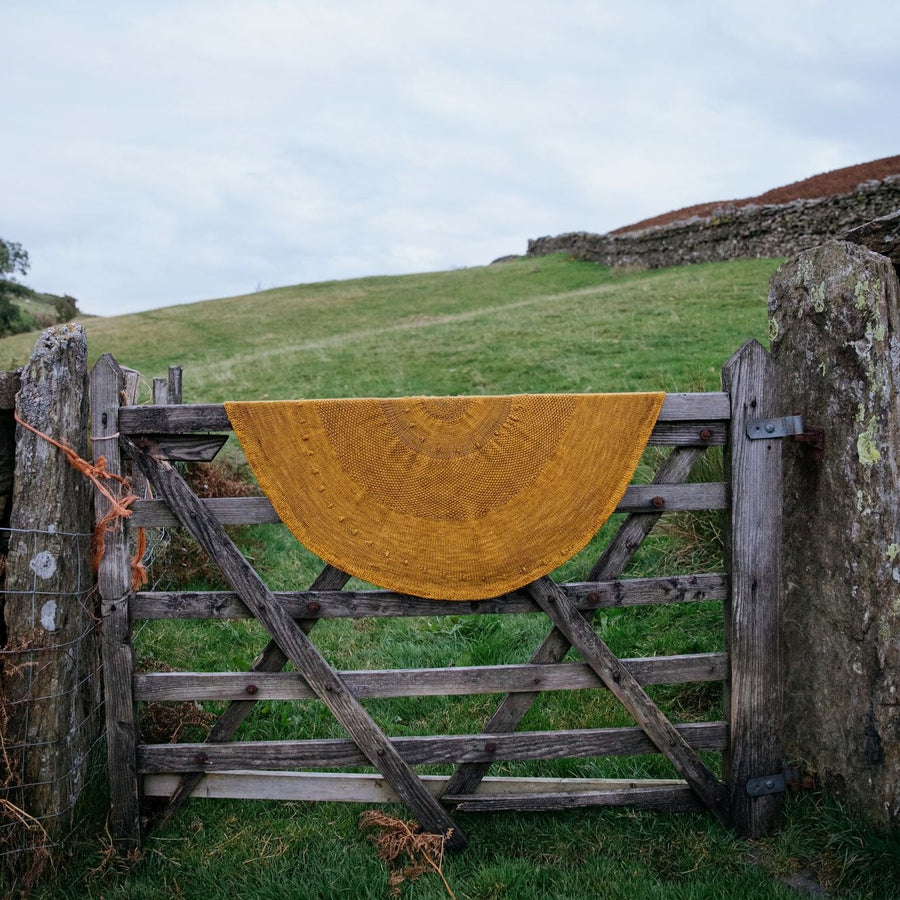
x=51, y=706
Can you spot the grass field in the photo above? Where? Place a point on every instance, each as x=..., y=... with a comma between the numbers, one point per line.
x=530, y=325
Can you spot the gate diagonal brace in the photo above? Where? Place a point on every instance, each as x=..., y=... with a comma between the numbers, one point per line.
x=614, y=560
x=294, y=643
x=270, y=660
x=625, y=687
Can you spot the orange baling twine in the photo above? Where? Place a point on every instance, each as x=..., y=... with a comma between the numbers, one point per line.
x=120, y=506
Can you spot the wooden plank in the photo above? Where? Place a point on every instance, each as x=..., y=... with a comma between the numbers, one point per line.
x=612, y=563
x=752, y=624
x=114, y=581
x=646, y=498
x=9, y=387
x=362, y=788
x=160, y=419
x=432, y=750
x=271, y=660
x=321, y=604
x=295, y=645
x=627, y=690
x=369, y=683
x=132, y=385
x=189, y=447
x=175, y=419
x=702, y=406
x=664, y=799
x=681, y=434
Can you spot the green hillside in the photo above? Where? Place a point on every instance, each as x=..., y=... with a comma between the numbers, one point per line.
x=528, y=325
x=548, y=324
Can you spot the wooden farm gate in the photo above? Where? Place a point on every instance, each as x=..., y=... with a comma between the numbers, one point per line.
x=152, y=437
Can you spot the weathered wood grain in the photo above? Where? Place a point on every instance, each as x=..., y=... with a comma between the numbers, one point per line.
x=189, y=447
x=204, y=686
x=9, y=386
x=174, y=386
x=362, y=788
x=646, y=498
x=433, y=750
x=332, y=604
x=160, y=391
x=114, y=578
x=295, y=644
x=164, y=419
x=752, y=622
x=690, y=434
x=679, y=798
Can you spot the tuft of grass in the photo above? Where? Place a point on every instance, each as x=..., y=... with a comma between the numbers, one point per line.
x=695, y=541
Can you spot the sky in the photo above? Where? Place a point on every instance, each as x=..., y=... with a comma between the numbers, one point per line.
x=162, y=152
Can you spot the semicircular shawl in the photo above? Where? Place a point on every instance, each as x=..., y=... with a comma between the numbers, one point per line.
x=455, y=498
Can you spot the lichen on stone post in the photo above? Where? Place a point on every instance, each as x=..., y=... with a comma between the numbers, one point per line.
x=835, y=328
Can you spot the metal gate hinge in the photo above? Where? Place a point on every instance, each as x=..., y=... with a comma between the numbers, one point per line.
x=767, y=784
x=764, y=429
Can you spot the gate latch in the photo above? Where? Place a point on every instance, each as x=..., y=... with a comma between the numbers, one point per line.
x=764, y=429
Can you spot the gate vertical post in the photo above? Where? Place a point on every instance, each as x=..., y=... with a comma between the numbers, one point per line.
x=114, y=578
x=752, y=615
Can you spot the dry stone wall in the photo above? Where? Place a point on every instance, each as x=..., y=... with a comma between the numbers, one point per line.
x=733, y=232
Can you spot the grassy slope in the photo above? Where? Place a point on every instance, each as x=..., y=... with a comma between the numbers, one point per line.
x=534, y=325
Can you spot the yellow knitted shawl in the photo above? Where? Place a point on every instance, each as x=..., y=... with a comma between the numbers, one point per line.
x=455, y=498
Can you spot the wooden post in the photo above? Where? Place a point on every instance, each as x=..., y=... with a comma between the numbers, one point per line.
x=752, y=620
x=160, y=391
x=52, y=654
x=174, y=385
x=107, y=385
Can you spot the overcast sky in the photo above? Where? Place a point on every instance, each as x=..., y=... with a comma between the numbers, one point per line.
x=161, y=152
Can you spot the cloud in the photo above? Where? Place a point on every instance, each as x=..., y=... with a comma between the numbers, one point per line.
x=160, y=153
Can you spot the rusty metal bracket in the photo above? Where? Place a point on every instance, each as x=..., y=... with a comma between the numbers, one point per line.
x=790, y=777
x=812, y=437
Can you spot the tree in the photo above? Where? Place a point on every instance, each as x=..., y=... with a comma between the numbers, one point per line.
x=13, y=259
x=22, y=309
